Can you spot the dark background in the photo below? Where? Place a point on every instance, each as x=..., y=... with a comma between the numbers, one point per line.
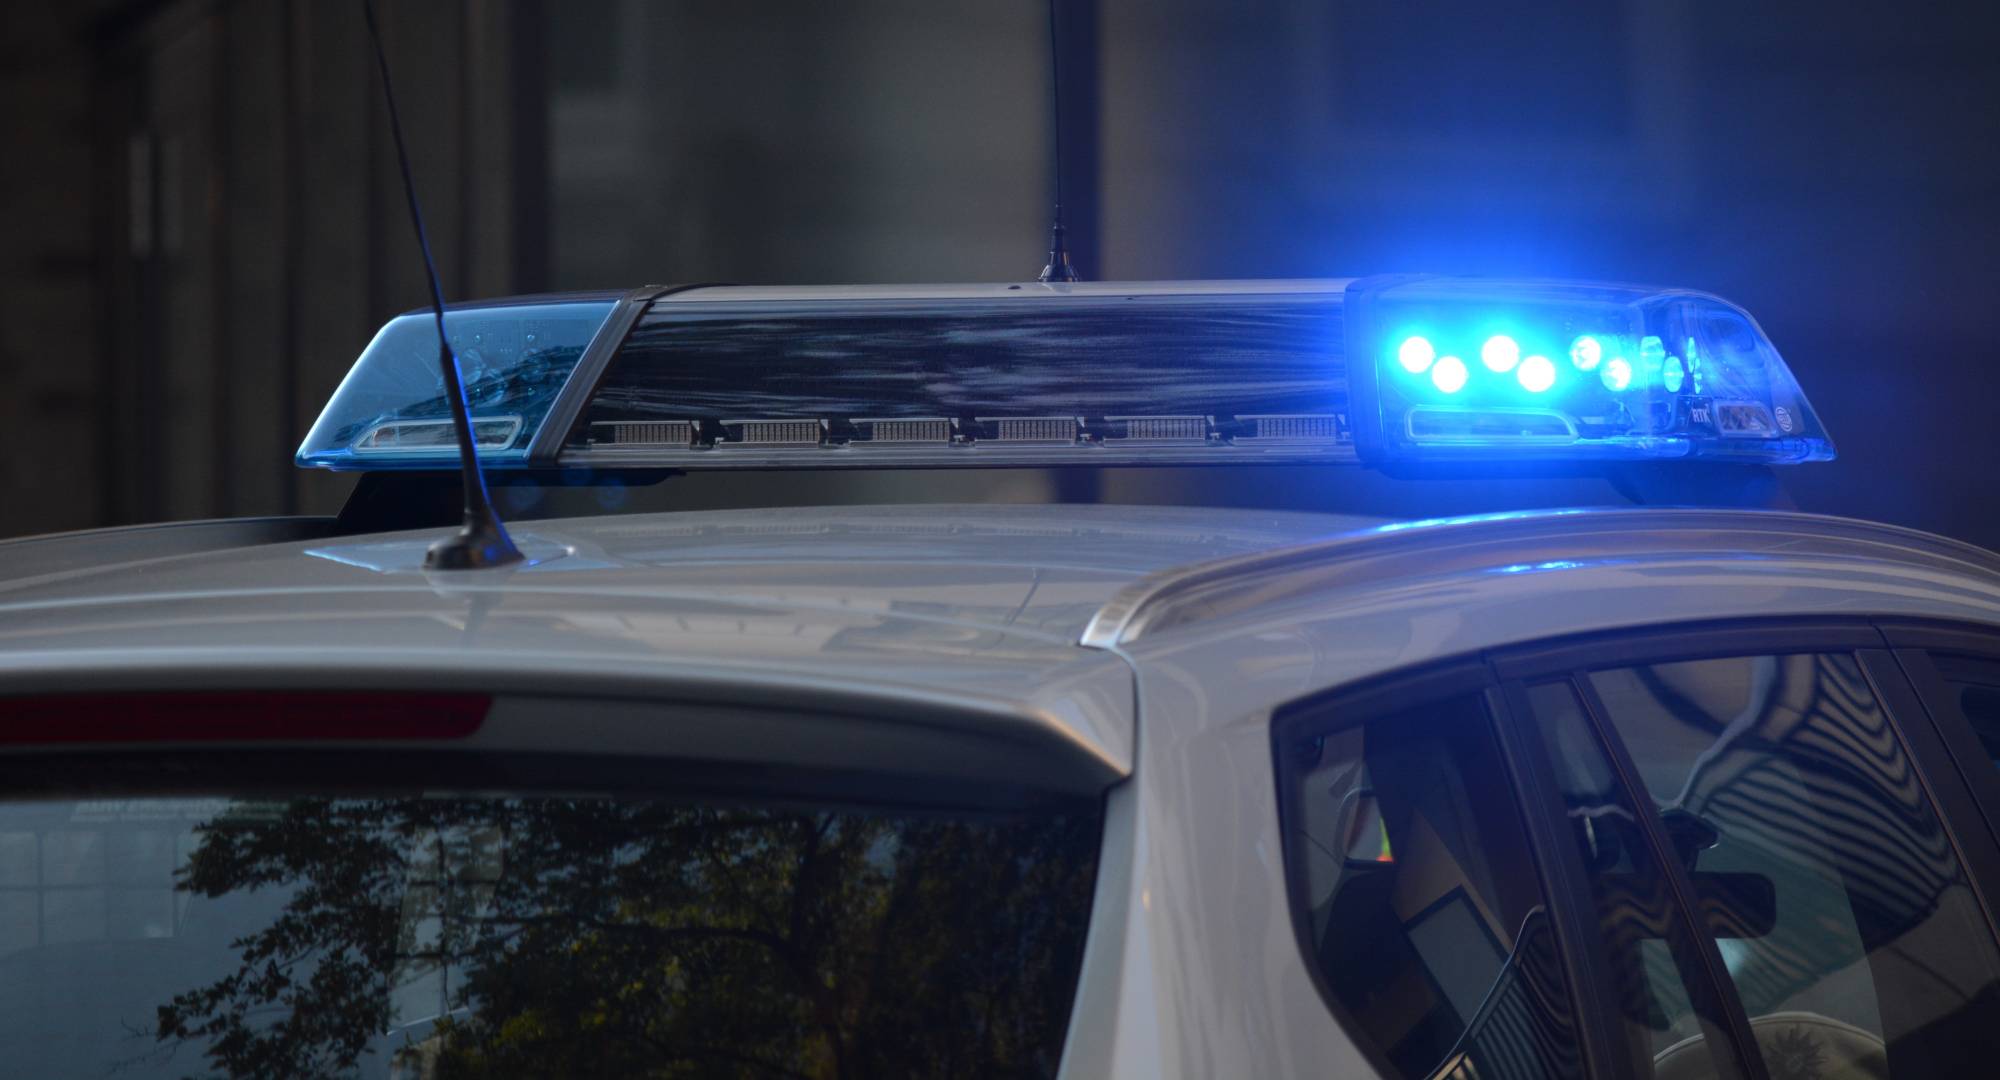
x=203, y=225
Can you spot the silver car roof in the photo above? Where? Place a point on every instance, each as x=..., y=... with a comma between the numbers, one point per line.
x=1012, y=611
x=972, y=610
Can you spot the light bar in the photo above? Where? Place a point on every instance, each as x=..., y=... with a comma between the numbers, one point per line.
x=1376, y=370
x=1461, y=369
x=390, y=412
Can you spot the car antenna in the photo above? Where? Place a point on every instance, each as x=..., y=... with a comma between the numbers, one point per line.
x=483, y=541
x=1059, y=267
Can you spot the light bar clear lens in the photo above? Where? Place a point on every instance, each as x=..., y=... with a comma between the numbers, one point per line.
x=1567, y=371
x=1031, y=379
x=391, y=412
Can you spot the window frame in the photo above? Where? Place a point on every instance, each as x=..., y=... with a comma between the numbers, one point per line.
x=1939, y=763
x=1585, y=969
x=1951, y=768
x=1912, y=645
x=1715, y=1000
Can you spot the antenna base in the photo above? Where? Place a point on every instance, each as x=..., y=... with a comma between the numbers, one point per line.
x=479, y=545
x=1059, y=268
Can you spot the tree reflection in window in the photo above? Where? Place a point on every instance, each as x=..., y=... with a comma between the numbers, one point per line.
x=603, y=937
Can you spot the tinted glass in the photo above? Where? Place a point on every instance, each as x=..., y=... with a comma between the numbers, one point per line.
x=1421, y=904
x=450, y=935
x=1878, y=960
x=1975, y=684
x=1649, y=942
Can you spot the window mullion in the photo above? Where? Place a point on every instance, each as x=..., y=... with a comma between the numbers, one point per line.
x=1607, y=1050
x=1724, y=1007
x=1950, y=763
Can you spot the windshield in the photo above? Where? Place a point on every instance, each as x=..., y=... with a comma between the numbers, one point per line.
x=447, y=934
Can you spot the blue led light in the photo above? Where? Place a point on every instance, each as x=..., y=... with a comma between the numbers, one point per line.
x=1585, y=352
x=1575, y=371
x=1617, y=373
x=1537, y=373
x=1449, y=374
x=1652, y=359
x=1415, y=354
x=1500, y=353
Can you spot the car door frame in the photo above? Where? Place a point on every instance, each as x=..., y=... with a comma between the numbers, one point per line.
x=1912, y=644
x=1937, y=752
x=1502, y=675
x=1585, y=966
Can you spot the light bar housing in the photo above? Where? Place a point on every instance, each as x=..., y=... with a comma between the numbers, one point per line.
x=1099, y=373
x=515, y=358
x=1457, y=369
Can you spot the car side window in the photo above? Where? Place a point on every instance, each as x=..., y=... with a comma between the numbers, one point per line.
x=1419, y=897
x=1974, y=683
x=1648, y=939
x=1873, y=957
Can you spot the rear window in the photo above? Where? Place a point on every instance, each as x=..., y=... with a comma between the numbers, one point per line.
x=451, y=934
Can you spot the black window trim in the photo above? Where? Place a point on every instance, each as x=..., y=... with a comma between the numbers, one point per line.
x=1946, y=773
x=1714, y=997
x=1891, y=655
x=1912, y=645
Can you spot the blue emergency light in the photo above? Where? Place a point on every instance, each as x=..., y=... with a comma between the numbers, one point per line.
x=1566, y=370
x=1383, y=371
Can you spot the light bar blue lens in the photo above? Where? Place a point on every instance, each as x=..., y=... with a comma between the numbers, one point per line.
x=1566, y=370
x=514, y=359
x=1500, y=353
x=1537, y=374
x=1449, y=374
x=1415, y=354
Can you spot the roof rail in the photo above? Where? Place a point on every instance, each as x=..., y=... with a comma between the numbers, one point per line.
x=1527, y=540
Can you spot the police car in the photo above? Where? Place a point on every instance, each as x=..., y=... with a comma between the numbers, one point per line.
x=1669, y=783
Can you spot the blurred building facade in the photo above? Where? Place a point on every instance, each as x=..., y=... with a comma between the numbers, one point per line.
x=207, y=226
